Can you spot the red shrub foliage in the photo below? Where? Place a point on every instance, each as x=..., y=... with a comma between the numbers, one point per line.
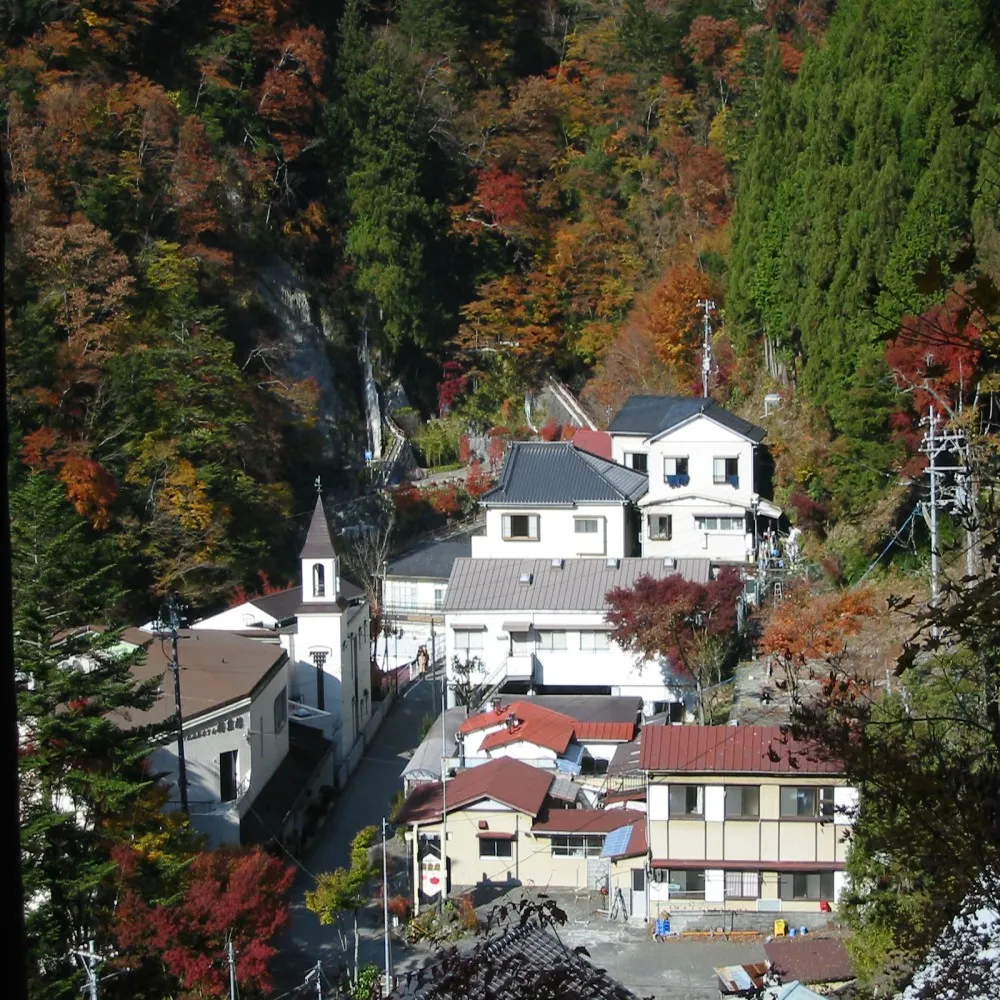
x=452, y=385
x=464, y=449
x=444, y=499
x=478, y=481
x=809, y=513
x=495, y=451
x=568, y=430
x=549, y=430
x=228, y=893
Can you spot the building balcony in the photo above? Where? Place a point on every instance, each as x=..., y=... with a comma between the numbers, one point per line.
x=521, y=667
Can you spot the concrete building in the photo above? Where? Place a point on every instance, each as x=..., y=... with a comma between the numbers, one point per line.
x=237, y=730
x=558, y=501
x=413, y=593
x=324, y=625
x=708, y=477
x=538, y=625
x=742, y=818
x=506, y=824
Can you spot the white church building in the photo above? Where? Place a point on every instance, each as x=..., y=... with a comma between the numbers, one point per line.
x=326, y=633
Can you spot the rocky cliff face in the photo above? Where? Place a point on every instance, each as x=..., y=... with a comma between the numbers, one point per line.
x=303, y=350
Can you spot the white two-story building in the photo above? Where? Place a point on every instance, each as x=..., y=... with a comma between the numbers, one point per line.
x=558, y=501
x=708, y=477
x=539, y=626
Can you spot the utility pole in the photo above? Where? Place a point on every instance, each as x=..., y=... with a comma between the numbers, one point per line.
x=444, y=825
x=932, y=454
x=385, y=913
x=172, y=620
x=231, y=959
x=316, y=972
x=90, y=960
x=708, y=307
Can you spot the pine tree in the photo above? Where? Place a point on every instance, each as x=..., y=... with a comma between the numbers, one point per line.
x=80, y=765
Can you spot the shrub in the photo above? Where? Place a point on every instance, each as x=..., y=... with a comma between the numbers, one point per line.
x=400, y=907
x=550, y=430
x=468, y=915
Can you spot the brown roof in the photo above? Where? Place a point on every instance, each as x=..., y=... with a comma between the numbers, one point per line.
x=596, y=442
x=319, y=538
x=586, y=820
x=217, y=668
x=810, y=959
x=751, y=749
x=511, y=782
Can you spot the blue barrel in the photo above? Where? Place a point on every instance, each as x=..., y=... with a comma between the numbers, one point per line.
x=662, y=928
x=791, y=932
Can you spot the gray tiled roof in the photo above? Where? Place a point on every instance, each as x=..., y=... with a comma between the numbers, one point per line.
x=650, y=415
x=319, y=539
x=524, y=963
x=432, y=560
x=579, y=585
x=557, y=473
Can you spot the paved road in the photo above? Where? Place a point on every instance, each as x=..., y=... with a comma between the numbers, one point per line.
x=364, y=802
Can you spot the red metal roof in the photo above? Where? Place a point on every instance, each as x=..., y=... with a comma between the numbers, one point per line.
x=750, y=866
x=511, y=782
x=596, y=442
x=620, y=732
x=734, y=749
x=586, y=820
x=542, y=726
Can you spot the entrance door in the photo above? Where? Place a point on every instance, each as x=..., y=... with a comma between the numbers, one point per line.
x=520, y=643
x=227, y=775
x=638, y=907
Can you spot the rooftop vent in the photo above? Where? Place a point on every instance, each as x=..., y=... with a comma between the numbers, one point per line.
x=669, y=563
x=612, y=563
x=525, y=578
x=557, y=564
x=497, y=705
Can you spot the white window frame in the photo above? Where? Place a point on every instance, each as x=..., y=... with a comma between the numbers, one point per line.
x=660, y=536
x=468, y=638
x=577, y=845
x=723, y=479
x=594, y=642
x=547, y=641
x=630, y=457
x=533, y=528
x=580, y=525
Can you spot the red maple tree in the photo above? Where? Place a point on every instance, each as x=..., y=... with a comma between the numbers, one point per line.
x=690, y=624
x=229, y=894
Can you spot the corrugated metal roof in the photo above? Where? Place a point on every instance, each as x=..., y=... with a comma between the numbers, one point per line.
x=512, y=782
x=749, y=749
x=651, y=415
x=596, y=442
x=580, y=585
x=615, y=731
x=586, y=820
x=319, y=539
x=532, y=724
x=810, y=959
x=557, y=473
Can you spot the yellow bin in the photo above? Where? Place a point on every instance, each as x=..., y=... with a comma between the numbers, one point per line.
x=780, y=928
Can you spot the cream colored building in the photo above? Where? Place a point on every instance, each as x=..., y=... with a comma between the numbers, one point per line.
x=505, y=823
x=741, y=818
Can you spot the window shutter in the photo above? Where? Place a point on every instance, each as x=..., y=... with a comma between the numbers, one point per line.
x=670, y=466
x=533, y=526
x=506, y=525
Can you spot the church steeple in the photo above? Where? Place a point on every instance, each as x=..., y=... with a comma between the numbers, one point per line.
x=320, y=565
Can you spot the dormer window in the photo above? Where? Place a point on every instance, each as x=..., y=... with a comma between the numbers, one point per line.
x=675, y=471
x=319, y=581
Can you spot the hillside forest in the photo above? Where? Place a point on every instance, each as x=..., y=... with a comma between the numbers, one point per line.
x=218, y=211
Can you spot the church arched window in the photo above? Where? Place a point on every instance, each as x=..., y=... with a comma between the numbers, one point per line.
x=319, y=581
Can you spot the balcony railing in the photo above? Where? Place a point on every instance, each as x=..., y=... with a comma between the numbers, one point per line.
x=201, y=808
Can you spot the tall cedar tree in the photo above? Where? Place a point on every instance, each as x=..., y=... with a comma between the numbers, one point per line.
x=80, y=768
x=691, y=626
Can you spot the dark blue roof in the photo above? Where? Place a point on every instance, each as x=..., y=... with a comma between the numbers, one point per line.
x=651, y=415
x=432, y=560
x=557, y=473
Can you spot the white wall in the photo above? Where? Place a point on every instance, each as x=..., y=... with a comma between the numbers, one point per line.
x=345, y=637
x=572, y=667
x=687, y=540
x=243, y=616
x=404, y=595
x=557, y=535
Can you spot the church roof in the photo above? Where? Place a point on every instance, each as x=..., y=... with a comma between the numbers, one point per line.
x=319, y=540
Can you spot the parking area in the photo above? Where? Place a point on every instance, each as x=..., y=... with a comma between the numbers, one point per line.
x=674, y=969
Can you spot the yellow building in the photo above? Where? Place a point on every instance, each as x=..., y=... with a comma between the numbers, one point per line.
x=743, y=818
x=508, y=823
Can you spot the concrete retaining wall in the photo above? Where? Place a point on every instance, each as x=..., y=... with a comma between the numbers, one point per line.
x=742, y=920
